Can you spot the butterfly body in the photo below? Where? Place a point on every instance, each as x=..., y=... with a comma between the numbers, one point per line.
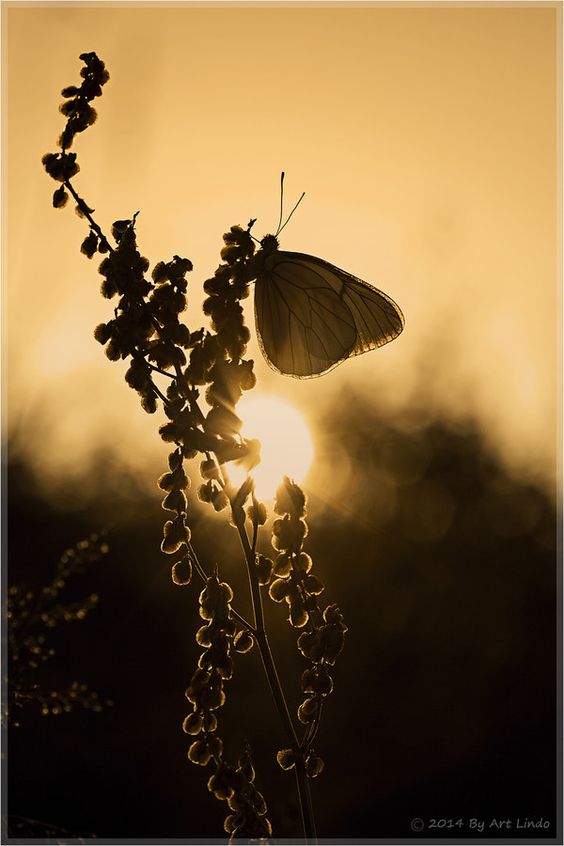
x=311, y=316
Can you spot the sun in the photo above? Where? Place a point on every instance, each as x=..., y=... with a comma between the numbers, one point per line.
x=286, y=445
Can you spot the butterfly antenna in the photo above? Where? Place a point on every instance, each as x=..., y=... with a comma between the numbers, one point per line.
x=290, y=215
x=281, y=203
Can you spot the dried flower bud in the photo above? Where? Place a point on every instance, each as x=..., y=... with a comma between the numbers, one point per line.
x=60, y=198
x=175, y=480
x=257, y=513
x=307, y=710
x=102, y=332
x=286, y=758
x=175, y=501
x=159, y=273
x=220, y=500
x=199, y=753
x=89, y=245
x=288, y=533
x=283, y=563
x=61, y=166
x=206, y=492
x=175, y=534
x=317, y=680
x=308, y=644
x=264, y=567
x=214, y=697
x=333, y=615
x=174, y=462
x=243, y=641
x=278, y=590
x=232, y=822
x=215, y=745
x=290, y=499
x=182, y=571
x=313, y=585
x=210, y=721
x=209, y=469
x=193, y=723
x=204, y=635
x=220, y=782
x=298, y=615
x=314, y=765
x=119, y=228
x=222, y=421
x=242, y=494
x=303, y=563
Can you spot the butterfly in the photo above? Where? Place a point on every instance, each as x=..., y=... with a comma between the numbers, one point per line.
x=311, y=316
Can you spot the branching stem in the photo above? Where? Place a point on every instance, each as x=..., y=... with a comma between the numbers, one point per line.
x=249, y=548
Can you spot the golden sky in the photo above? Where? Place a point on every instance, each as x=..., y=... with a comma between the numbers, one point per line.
x=425, y=138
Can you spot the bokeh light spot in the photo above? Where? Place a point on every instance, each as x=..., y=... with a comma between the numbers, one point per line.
x=286, y=444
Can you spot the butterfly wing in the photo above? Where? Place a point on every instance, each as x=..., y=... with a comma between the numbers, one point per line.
x=377, y=318
x=304, y=327
x=311, y=316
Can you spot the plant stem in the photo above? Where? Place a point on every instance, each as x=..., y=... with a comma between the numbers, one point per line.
x=258, y=630
x=304, y=793
x=306, y=804
x=87, y=214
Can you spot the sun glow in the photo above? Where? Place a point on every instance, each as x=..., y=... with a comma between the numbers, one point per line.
x=286, y=445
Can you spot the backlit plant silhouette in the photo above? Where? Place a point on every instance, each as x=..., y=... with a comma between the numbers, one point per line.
x=175, y=367
x=31, y=616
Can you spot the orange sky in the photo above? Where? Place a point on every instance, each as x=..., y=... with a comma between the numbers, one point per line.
x=425, y=139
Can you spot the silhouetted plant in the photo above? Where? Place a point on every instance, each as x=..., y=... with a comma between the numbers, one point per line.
x=31, y=615
x=146, y=330
x=25, y=827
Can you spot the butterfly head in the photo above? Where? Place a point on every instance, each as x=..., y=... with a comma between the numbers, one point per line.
x=269, y=245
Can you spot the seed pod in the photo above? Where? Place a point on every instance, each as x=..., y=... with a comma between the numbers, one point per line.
x=193, y=723
x=313, y=585
x=307, y=710
x=243, y=641
x=278, y=590
x=298, y=615
x=303, y=563
x=60, y=198
x=182, y=571
x=283, y=564
x=286, y=758
x=199, y=753
x=314, y=765
x=175, y=534
x=263, y=569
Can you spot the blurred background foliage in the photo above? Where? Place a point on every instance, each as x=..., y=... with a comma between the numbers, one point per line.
x=444, y=565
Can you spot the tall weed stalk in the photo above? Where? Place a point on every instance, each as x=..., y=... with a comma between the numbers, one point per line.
x=197, y=377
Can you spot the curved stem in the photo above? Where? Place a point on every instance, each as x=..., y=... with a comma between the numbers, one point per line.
x=258, y=630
